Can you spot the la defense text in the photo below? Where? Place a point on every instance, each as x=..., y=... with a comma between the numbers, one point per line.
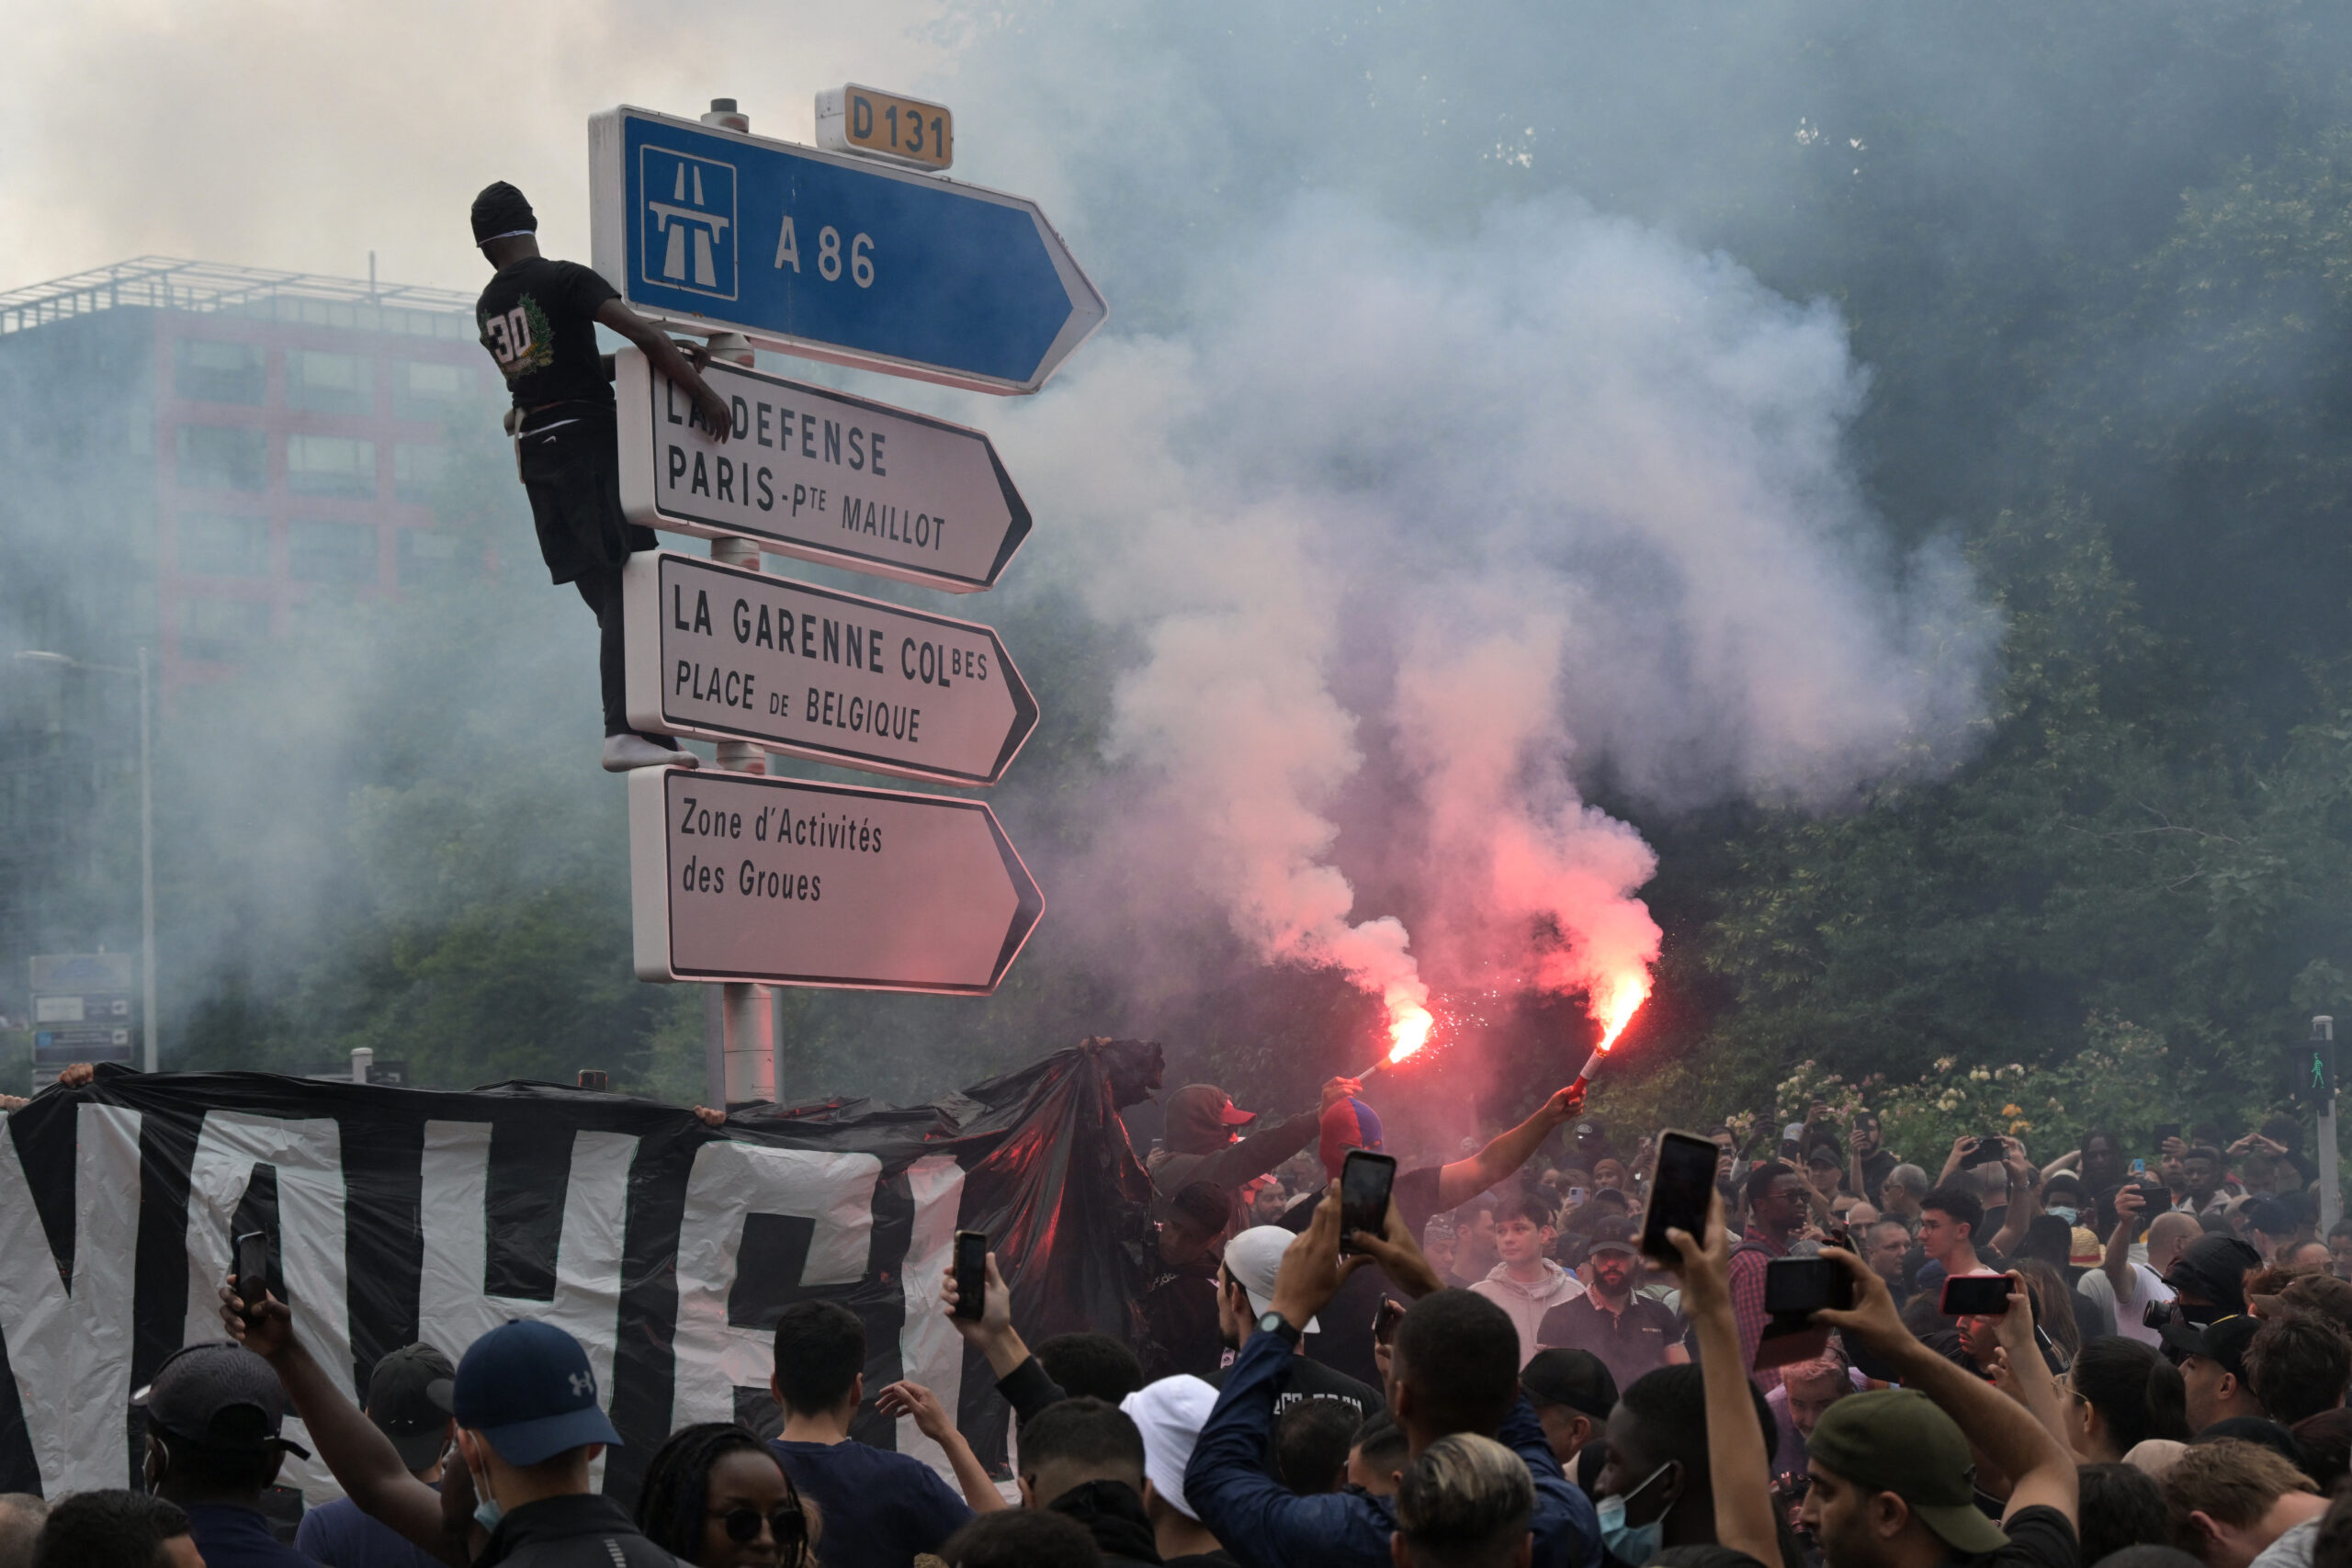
x=841, y=444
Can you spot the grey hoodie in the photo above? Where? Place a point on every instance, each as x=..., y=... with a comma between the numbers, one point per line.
x=1527, y=1303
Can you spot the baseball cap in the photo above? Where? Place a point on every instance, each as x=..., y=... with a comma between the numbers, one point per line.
x=1169, y=1414
x=1895, y=1440
x=2271, y=1217
x=1253, y=1258
x=2215, y=1268
x=527, y=1387
x=410, y=1396
x=2222, y=1341
x=1612, y=1233
x=1578, y=1378
x=218, y=1395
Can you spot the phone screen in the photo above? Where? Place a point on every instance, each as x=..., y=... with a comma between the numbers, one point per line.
x=1364, y=1181
x=1798, y=1285
x=971, y=1274
x=1976, y=1295
x=1679, y=1197
x=253, y=1267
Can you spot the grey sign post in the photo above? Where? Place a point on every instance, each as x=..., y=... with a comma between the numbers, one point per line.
x=818, y=475
x=724, y=654
x=736, y=877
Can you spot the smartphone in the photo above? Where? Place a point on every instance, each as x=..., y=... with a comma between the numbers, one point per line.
x=1976, y=1295
x=971, y=1274
x=1797, y=1287
x=1984, y=1151
x=1364, y=1181
x=1679, y=1192
x=2139, y=1167
x=253, y=1267
x=1384, y=1321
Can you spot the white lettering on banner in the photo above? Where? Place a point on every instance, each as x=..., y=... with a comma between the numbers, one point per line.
x=730, y=1183
x=453, y=1308
x=308, y=1157
x=930, y=1350
x=79, y=1341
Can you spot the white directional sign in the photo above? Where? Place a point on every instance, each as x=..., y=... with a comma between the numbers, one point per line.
x=818, y=475
x=728, y=654
x=734, y=876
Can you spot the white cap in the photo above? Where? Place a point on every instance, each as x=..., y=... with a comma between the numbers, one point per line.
x=1253, y=1258
x=1169, y=1414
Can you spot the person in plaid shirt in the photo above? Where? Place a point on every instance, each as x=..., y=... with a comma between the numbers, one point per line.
x=1776, y=1213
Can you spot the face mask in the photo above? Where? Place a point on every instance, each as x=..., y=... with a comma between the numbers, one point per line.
x=487, y=1513
x=2067, y=1213
x=1634, y=1545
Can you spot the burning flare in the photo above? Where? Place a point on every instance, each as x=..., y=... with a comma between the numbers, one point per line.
x=1408, y=1029
x=1614, y=1003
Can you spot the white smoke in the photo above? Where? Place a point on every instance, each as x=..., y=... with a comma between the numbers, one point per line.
x=1421, y=535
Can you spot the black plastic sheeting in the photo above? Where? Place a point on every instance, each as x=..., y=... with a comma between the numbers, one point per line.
x=1047, y=1173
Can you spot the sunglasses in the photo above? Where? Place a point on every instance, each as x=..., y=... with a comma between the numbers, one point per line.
x=787, y=1525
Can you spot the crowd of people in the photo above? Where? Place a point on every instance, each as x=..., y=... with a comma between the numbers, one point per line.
x=2152, y=1373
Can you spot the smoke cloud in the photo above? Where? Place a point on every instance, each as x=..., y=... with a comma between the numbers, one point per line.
x=1421, y=539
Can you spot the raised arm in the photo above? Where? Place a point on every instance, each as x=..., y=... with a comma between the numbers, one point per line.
x=360, y=1457
x=2116, y=1264
x=1020, y=1377
x=2025, y=1199
x=672, y=362
x=1464, y=1179
x=930, y=1418
x=2039, y=1465
x=2020, y=1372
x=1739, y=1468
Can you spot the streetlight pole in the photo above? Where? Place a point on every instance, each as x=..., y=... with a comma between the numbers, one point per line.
x=149, y=1029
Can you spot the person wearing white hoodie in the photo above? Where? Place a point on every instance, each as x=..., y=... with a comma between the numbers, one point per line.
x=1526, y=1283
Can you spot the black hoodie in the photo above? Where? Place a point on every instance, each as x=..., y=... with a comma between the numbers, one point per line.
x=1113, y=1513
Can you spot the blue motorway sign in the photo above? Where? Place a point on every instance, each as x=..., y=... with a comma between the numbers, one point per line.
x=833, y=256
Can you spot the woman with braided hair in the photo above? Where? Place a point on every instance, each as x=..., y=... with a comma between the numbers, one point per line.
x=715, y=1496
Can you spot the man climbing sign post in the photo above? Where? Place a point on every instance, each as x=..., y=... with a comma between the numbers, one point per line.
x=539, y=318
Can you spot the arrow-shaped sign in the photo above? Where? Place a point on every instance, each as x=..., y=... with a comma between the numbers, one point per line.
x=724, y=653
x=833, y=256
x=783, y=882
x=818, y=475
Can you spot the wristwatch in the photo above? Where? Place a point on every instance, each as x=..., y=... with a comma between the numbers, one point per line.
x=1275, y=1323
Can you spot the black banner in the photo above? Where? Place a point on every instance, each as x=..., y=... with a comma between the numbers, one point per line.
x=666, y=1246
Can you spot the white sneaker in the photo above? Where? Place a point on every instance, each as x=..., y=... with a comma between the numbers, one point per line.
x=625, y=752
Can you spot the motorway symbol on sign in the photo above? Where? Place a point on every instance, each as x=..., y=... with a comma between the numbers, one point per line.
x=818, y=475
x=831, y=256
x=734, y=876
x=727, y=654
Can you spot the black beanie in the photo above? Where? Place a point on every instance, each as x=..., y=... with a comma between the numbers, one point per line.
x=501, y=209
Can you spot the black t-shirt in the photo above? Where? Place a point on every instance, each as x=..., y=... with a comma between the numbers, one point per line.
x=1309, y=1379
x=538, y=321
x=2038, y=1538
x=1875, y=1167
x=1346, y=1340
x=1629, y=1343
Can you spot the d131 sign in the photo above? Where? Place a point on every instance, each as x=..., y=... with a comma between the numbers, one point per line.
x=724, y=653
x=818, y=475
x=782, y=882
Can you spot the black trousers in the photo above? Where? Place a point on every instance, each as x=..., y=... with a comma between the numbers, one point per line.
x=571, y=471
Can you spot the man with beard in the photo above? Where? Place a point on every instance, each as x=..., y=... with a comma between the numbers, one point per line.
x=1630, y=1334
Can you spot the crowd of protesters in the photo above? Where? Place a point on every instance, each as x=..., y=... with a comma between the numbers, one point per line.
x=2157, y=1379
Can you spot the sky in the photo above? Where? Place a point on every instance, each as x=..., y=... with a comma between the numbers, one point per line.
x=304, y=135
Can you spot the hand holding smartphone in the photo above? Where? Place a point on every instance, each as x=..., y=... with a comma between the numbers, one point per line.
x=1976, y=1295
x=253, y=1268
x=1684, y=1185
x=971, y=1274
x=1365, y=1180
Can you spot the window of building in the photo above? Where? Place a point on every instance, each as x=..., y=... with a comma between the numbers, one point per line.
x=430, y=559
x=330, y=465
x=223, y=457
x=218, y=544
x=222, y=631
x=331, y=552
x=330, y=383
x=207, y=371
x=417, y=470
x=424, y=388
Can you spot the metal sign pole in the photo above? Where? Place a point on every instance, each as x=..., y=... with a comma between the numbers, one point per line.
x=749, y=1050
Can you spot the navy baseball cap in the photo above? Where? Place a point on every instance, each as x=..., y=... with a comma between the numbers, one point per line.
x=527, y=1388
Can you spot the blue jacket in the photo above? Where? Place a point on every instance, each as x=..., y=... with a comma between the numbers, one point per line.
x=1268, y=1526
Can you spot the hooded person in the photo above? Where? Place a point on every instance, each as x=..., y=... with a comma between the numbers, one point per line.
x=2209, y=1278
x=1526, y=1283
x=1202, y=1141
